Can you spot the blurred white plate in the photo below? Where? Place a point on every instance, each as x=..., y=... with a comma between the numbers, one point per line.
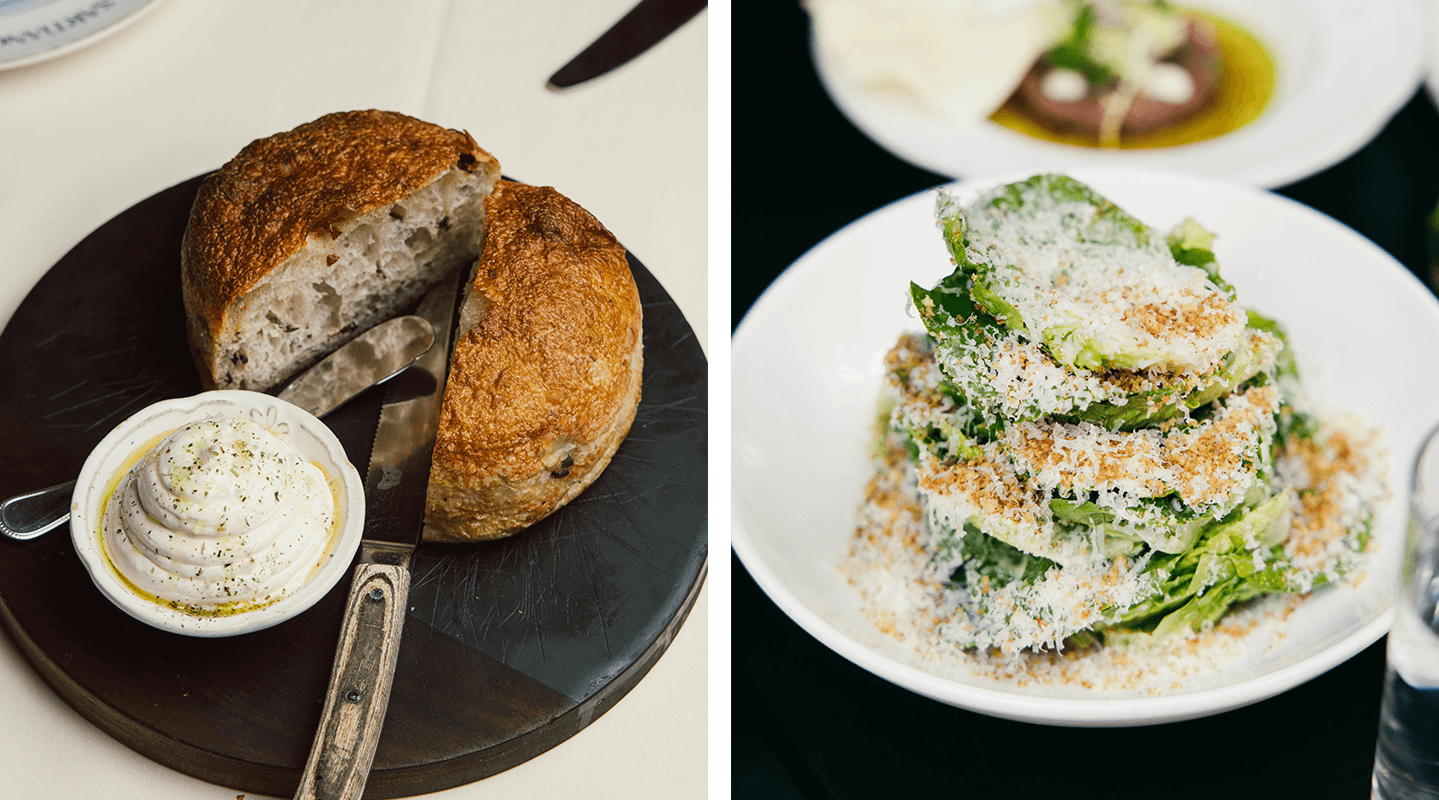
x=807, y=366
x=32, y=31
x=1344, y=68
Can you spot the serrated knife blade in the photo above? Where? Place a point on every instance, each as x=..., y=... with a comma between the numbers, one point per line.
x=395, y=485
x=369, y=359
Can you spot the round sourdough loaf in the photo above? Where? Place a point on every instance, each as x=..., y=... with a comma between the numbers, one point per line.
x=309, y=237
x=545, y=377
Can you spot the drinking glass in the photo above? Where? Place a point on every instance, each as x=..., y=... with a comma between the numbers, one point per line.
x=1406, y=759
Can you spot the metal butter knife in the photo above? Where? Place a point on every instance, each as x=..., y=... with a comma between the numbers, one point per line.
x=395, y=485
x=639, y=30
x=373, y=357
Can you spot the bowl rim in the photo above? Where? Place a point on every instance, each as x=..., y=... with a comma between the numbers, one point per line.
x=749, y=544
x=318, y=444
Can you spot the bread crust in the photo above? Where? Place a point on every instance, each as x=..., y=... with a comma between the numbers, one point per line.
x=263, y=206
x=545, y=377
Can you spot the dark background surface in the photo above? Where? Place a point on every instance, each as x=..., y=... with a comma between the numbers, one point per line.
x=808, y=723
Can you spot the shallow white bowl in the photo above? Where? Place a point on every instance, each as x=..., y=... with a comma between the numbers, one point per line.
x=306, y=433
x=1344, y=68
x=807, y=362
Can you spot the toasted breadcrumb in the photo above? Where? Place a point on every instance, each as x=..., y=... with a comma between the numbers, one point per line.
x=904, y=588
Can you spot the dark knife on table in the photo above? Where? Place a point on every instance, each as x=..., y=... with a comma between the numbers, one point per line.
x=395, y=486
x=639, y=30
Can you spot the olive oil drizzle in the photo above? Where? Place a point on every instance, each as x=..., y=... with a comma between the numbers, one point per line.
x=1245, y=87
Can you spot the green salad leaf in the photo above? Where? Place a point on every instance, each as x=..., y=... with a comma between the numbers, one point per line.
x=1070, y=233
x=1090, y=554
x=1196, y=587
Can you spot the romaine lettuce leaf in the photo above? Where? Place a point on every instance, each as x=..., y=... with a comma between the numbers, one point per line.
x=979, y=555
x=1193, y=244
x=1197, y=586
x=1018, y=247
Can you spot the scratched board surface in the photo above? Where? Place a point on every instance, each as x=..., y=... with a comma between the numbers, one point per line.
x=509, y=647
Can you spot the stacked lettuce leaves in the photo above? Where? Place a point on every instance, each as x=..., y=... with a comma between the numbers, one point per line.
x=1093, y=425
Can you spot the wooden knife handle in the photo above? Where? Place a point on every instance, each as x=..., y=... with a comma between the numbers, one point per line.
x=360, y=682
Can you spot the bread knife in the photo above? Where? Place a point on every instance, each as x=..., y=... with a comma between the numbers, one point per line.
x=371, y=358
x=639, y=30
x=395, y=486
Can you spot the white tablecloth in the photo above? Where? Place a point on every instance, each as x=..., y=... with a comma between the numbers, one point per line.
x=180, y=91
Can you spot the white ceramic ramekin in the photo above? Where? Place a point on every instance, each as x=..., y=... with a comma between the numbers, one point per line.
x=307, y=434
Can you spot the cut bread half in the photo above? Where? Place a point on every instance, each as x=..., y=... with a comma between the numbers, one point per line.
x=307, y=238
x=545, y=379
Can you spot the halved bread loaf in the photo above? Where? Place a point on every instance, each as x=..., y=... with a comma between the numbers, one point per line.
x=546, y=372
x=309, y=237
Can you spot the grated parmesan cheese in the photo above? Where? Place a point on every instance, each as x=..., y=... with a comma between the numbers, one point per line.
x=1018, y=632
x=1083, y=448
x=1084, y=278
x=1014, y=378
x=1211, y=465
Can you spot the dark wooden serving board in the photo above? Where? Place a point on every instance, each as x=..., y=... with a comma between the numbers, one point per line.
x=509, y=647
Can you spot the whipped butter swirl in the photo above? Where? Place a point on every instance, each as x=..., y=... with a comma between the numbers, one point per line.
x=223, y=515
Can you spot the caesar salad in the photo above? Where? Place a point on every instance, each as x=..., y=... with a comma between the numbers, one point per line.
x=1094, y=443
